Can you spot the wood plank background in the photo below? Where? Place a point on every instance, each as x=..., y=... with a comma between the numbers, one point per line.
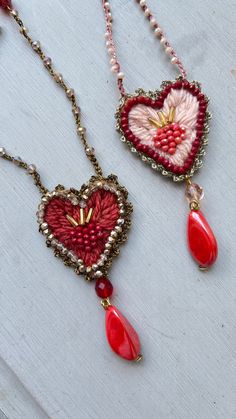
x=54, y=360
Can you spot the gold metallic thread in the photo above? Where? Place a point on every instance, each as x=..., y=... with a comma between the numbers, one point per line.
x=72, y=220
x=154, y=122
x=171, y=116
x=162, y=118
x=89, y=216
x=81, y=214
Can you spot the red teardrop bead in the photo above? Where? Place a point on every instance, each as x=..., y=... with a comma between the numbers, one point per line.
x=4, y=4
x=121, y=336
x=201, y=240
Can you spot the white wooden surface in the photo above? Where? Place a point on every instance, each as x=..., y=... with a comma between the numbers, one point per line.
x=55, y=362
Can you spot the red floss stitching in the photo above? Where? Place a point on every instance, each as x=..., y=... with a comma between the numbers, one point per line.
x=86, y=241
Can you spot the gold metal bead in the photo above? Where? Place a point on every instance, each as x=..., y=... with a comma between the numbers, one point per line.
x=14, y=13
x=203, y=268
x=70, y=93
x=194, y=206
x=23, y=30
x=58, y=78
x=105, y=302
x=81, y=130
x=139, y=358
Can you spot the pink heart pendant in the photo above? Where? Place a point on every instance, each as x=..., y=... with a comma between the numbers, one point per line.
x=167, y=128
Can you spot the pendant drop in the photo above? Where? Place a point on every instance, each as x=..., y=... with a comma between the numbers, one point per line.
x=201, y=239
x=121, y=336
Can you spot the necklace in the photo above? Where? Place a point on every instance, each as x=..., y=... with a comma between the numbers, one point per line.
x=84, y=228
x=167, y=129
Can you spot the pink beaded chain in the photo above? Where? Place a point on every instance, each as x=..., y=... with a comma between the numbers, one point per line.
x=158, y=32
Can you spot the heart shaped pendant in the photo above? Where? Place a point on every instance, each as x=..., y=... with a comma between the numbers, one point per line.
x=167, y=128
x=86, y=227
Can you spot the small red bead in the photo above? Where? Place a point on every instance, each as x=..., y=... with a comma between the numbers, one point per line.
x=139, y=147
x=185, y=84
x=159, y=103
x=201, y=96
x=103, y=287
x=165, y=147
x=124, y=114
x=4, y=4
x=130, y=136
x=177, y=85
x=172, y=150
x=125, y=125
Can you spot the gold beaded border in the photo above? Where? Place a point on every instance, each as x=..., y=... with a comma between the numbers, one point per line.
x=198, y=161
x=117, y=236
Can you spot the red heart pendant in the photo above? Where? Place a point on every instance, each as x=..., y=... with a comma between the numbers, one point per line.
x=167, y=128
x=86, y=227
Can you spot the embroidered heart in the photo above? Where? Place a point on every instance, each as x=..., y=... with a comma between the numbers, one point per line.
x=167, y=128
x=86, y=227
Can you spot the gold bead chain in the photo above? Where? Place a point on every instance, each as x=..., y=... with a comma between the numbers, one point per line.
x=70, y=94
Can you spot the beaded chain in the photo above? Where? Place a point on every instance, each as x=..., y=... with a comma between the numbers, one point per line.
x=85, y=227
x=70, y=94
x=158, y=32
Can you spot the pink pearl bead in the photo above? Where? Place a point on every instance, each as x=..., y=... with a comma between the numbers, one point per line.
x=174, y=60
x=147, y=12
x=113, y=61
x=158, y=32
x=168, y=50
x=107, y=35
x=153, y=22
x=111, y=51
x=120, y=75
x=142, y=2
x=114, y=68
x=163, y=40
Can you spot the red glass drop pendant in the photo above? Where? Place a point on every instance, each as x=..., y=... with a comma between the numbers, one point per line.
x=121, y=336
x=201, y=240
x=5, y=4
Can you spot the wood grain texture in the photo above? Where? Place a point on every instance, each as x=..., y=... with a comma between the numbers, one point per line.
x=55, y=362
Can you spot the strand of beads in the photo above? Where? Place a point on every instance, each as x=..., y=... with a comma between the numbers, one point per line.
x=111, y=49
x=29, y=168
x=159, y=33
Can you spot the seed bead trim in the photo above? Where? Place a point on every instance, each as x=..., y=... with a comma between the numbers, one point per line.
x=63, y=236
x=186, y=158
